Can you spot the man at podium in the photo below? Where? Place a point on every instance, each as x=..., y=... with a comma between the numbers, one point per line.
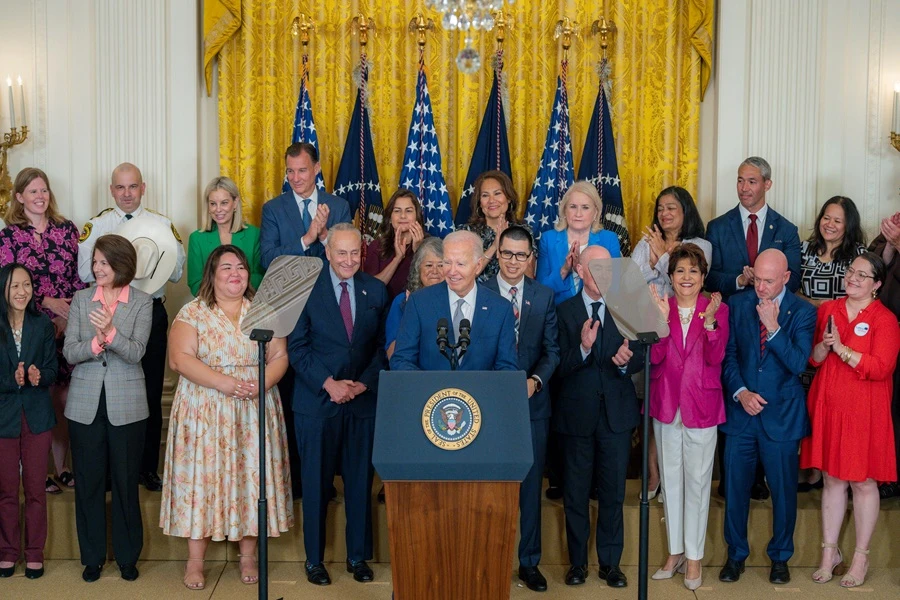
x=460, y=301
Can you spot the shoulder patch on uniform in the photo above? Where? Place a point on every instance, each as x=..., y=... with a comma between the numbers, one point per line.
x=103, y=212
x=86, y=232
x=175, y=233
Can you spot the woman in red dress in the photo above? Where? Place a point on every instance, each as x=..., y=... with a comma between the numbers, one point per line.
x=849, y=408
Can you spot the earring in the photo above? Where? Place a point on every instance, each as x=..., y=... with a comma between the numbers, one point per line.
x=874, y=294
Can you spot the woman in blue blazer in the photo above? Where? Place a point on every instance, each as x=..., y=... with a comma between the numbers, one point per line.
x=28, y=368
x=578, y=227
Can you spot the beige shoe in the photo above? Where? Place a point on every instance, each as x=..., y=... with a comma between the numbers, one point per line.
x=663, y=574
x=850, y=581
x=194, y=583
x=693, y=584
x=825, y=575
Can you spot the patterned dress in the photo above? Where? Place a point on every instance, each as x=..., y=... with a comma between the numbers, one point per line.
x=211, y=479
x=52, y=259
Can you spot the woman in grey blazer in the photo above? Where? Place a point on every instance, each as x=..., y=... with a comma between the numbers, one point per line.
x=28, y=368
x=107, y=406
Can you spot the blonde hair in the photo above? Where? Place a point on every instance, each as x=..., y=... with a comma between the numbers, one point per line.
x=227, y=184
x=15, y=211
x=587, y=188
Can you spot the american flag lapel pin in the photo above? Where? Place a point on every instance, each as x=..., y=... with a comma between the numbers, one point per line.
x=528, y=303
x=364, y=293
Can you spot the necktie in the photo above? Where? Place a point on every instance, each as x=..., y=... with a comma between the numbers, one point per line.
x=458, y=316
x=595, y=316
x=346, y=313
x=514, y=298
x=752, y=240
x=763, y=335
x=129, y=217
x=304, y=214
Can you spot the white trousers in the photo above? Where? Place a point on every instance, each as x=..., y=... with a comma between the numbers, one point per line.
x=685, y=467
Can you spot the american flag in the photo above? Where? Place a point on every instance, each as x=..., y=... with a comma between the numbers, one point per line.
x=304, y=125
x=556, y=171
x=357, y=177
x=599, y=164
x=492, y=146
x=422, y=162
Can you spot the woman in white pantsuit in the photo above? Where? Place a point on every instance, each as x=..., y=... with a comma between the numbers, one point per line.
x=686, y=406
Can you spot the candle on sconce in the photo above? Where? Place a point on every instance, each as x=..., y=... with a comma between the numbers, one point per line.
x=895, y=127
x=12, y=106
x=22, y=97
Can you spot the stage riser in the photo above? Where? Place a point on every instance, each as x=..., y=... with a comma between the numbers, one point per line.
x=62, y=542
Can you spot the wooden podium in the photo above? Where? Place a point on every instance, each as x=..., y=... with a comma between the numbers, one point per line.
x=452, y=503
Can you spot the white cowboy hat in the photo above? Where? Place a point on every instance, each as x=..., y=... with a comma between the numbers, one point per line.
x=156, y=249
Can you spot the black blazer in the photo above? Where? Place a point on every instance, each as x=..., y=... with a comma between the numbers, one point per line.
x=38, y=349
x=318, y=347
x=537, y=350
x=587, y=385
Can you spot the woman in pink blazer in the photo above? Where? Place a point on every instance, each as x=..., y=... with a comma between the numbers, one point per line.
x=686, y=406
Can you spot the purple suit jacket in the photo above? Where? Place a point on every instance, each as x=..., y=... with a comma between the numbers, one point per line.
x=688, y=375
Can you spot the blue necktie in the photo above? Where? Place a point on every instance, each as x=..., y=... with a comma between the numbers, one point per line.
x=304, y=214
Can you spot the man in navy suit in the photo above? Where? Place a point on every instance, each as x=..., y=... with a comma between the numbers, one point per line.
x=337, y=351
x=769, y=346
x=538, y=356
x=737, y=238
x=595, y=414
x=493, y=326
x=296, y=222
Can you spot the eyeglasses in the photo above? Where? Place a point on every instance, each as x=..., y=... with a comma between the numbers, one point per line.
x=518, y=256
x=853, y=273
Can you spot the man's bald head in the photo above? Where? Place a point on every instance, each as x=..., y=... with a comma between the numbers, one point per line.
x=593, y=288
x=771, y=274
x=592, y=253
x=127, y=167
x=127, y=187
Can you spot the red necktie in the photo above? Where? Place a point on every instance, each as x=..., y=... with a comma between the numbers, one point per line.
x=763, y=337
x=346, y=313
x=752, y=240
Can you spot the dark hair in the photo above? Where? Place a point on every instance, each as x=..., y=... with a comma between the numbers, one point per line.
x=207, y=291
x=509, y=191
x=854, y=236
x=691, y=253
x=692, y=226
x=518, y=233
x=120, y=255
x=386, y=230
x=31, y=308
x=295, y=150
x=879, y=271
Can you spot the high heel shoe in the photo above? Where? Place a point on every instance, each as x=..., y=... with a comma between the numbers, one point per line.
x=248, y=579
x=194, y=584
x=651, y=494
x=663, y=574
x=850, y=581
x=693, y=584
x=825, y=575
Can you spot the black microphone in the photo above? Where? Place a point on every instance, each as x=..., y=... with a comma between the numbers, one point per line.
x=463, y=343
x=443, y=331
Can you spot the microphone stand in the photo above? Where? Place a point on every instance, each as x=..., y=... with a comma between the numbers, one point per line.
x=646, y=340
x=262, y=336
x=453, y=352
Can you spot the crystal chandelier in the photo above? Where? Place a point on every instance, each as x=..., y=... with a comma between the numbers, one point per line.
x=467, y=16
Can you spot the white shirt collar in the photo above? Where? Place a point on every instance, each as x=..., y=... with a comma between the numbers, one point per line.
x=588, y=301
x=314, y=197
x=136, y=213
x=760, y=214
x=505, y=287
x=469, y=298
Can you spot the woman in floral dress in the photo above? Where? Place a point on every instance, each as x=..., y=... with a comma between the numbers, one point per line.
x=211, y=479
x=37, y=236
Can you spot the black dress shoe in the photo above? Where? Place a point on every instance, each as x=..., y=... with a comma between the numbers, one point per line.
x=91, y=574
x=533, y=579
x=594, y=494
x=553, y=493
x=317, y=574
x=128, y=572
x=361, y=571
x=8, y=571
x=613, y=576
x=151, y=481
x=576, y=575
x=721, y=489
x=732, y=570
x=34, y=573
x=381, y=495
x=759, y=491
x=779, y=572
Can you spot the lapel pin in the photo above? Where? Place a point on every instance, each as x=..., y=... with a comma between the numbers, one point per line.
x=364, y=293
x=484, y=308
x=789, y=312
x=528, y=303
x=771, y=227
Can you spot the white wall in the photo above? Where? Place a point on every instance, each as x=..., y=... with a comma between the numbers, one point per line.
x=806, y=84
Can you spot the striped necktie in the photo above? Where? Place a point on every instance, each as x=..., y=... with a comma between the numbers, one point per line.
x=514, y=298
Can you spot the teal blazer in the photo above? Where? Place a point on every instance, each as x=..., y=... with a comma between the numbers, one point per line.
x=202, y=243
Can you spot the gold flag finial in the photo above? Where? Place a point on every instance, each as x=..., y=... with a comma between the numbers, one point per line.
x=362, y=25
x=605, y=29
x=565, y=29
x=419, y=25
x=302, y=26
x=502, y=23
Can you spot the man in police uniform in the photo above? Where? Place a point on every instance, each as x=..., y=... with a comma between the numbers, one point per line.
x=127, y=189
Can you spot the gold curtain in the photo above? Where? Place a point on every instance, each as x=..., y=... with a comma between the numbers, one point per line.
x=661, y=62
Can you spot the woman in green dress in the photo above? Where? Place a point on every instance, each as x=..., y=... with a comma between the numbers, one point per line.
x=223, y=223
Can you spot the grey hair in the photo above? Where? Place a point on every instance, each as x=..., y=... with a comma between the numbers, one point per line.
x=342, y=227
x=467, y=236
x=431, y=245
x=760, y=163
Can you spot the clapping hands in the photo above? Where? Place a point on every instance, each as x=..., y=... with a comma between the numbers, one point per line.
x=34, y=375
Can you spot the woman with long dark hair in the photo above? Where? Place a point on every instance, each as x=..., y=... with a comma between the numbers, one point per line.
x=389, y=255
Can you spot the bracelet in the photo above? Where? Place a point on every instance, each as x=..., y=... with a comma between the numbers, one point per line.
x=712, y=326
x=846, y=356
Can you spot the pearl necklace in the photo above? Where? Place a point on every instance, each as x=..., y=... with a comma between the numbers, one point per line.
x=685, y=319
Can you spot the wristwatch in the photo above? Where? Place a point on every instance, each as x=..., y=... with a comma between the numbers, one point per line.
x=538, y=386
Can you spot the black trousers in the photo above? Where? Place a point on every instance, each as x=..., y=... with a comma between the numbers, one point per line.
x=95, y=448
x=603, y=455
x=530, y=498
x=154, y=364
